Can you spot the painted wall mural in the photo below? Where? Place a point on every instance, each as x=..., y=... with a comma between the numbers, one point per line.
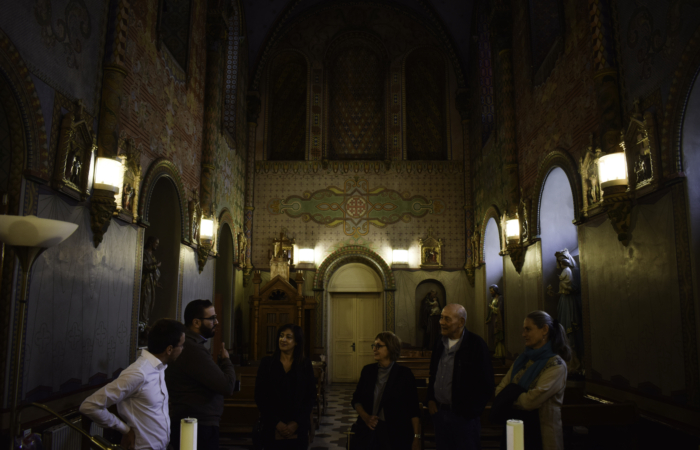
x=356, y=206
x=61, y=41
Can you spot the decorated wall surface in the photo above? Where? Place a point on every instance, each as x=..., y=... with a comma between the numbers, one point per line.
x=360, y=203
x=229, y=184
x=81, y=299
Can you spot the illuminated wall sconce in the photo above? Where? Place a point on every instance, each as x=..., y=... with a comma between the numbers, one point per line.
x=511, y=241
x=206, y=241
x=307, y=255
x=513, y=229
x=612, y=169
x=109, y=175
x=399, y=257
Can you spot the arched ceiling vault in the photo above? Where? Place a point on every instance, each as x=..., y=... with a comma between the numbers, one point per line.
x=266, y=21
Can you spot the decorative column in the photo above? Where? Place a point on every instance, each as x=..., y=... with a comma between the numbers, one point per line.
x=253, y=111
x=462, y=104
x=605, y=73
x=216, y=40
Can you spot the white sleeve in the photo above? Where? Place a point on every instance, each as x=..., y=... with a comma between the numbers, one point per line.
x=95, y=406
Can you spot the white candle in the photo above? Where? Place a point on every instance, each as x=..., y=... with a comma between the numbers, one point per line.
x=515, y=435
x=188, y=434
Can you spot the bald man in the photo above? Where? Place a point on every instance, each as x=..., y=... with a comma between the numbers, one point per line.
x=461, y=382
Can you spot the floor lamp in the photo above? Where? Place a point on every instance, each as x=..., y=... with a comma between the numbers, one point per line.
x=28, y=236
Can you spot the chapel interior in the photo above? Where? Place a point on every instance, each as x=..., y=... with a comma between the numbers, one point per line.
x=353, y=166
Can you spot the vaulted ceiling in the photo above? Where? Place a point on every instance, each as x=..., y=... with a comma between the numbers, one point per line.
x=264, y=16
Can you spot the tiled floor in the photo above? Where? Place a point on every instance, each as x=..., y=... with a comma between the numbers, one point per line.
x=338, y=419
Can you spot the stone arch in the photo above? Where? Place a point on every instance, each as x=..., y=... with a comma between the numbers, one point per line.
x=491, y=213
x=21, y=89
x=163, y=168
x=350, y=254
x=225, y=218
x=561, y=159
x=684, y=79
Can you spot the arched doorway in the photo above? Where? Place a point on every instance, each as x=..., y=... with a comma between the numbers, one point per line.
x=224, y=286
x=356, y=313
x=557, y=231
x=164, y=217
x=494, y=272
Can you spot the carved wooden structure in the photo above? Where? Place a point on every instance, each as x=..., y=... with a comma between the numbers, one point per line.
x=430, y=252
x=75, y=157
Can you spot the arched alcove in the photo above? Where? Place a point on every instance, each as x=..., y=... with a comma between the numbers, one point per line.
x=165, y=216
x=224, y=285
x=425, y=288
x=556, y=230
x=355, y=277
x=494, y=268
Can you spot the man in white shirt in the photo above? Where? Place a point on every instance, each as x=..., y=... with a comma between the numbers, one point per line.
x=140, y=392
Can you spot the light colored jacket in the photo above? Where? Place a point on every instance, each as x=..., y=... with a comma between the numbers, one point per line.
x=546, y=393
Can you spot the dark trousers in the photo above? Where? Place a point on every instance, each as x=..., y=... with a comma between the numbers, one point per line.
x=453, y=432
x=207, y=436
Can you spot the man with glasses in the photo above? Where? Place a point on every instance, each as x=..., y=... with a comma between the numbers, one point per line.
x=196, y=383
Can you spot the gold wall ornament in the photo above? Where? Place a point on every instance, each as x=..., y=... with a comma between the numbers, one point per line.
x=617, y=197
x=194, y=216
x=203, y=255
x=75, y=156
x=430, y=251
x=281, y=256
x=590, y=180
x=242, y=247
x=102, y=208
x=641, y=148
x=128, y=197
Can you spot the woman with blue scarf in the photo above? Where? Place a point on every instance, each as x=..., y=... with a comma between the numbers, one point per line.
x=538, y=379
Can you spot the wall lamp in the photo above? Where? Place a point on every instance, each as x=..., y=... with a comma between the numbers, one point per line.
x=305, y=258
x=206, y=240
x=399, y=257
x=614, y=183
x=512, y=240
x=109, y=177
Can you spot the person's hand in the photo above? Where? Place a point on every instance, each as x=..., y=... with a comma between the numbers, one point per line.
x=416, y=444
x=129, y=440
x=371, y=421
x=283, y=429
x=224, y=352
x=432, y=407
x=292, y=427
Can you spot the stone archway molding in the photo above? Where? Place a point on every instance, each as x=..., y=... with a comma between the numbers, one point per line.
x=561, y=159
x=225, y=218
x=163, y=168
x=351, y=254
x=491, y=213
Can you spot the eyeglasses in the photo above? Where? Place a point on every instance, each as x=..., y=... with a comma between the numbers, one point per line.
x=212, y=318
x=377, y=346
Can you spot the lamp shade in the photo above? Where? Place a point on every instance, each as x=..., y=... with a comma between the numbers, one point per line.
x=206, y=231
x=307, y=255
x=513, y=229
x=31, y=231
x=400, y=256
x=109, y=174
x=612, y=170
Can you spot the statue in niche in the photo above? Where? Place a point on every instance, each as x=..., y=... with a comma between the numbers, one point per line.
x=76, y=167
x=151, y=277
x=242, y=246
x=430, y=319
x=569, y=307
x=128, y=197
x=495, y=318
x=588, y=168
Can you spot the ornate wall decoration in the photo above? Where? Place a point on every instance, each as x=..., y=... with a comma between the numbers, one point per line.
x=356, y=207
x=590, y=180
x=233, y=23
x=426, y=110
x=76, y=151
x=350, y=254
x=286, y=124
x=368, y=167
x=174, y=29
x=128, y=196
x=430, y=251
x=485, y=75
x=642, y=151
x=356, y=99
x=546, y=36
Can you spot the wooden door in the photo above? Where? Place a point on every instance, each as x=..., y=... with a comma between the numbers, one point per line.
x=357, y=318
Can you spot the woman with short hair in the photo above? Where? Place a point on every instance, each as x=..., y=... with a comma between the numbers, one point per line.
x=536, y=382
x=285, y=392
x=386, y=400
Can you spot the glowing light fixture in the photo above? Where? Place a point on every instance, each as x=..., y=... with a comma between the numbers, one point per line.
x=612, y=170
x=513, y=229
x=400, y=256
x=206, y=230
x=109, y=174
x=307, y=255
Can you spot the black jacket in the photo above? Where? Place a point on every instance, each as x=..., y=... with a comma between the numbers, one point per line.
x=196, y=384
x=275, y=403
x=472, y=379
x=399, y=400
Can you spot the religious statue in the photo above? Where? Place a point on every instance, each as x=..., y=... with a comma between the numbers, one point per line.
x=430, y=319
x=76, y=167
x=242, y=246
x=151, y=276
x=569, y=308
x=430, y=251
x=495, y=318
x=127, y=197
x=476, y=243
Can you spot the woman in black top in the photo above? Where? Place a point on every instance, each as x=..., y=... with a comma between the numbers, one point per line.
x=285, y=391
x=386, y=400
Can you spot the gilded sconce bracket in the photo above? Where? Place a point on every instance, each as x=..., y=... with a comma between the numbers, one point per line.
x=203, y=255
x=517, y=256
x=618, y=206
x=102, y=208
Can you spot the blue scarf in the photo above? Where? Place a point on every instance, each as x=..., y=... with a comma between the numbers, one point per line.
x=540, y=357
